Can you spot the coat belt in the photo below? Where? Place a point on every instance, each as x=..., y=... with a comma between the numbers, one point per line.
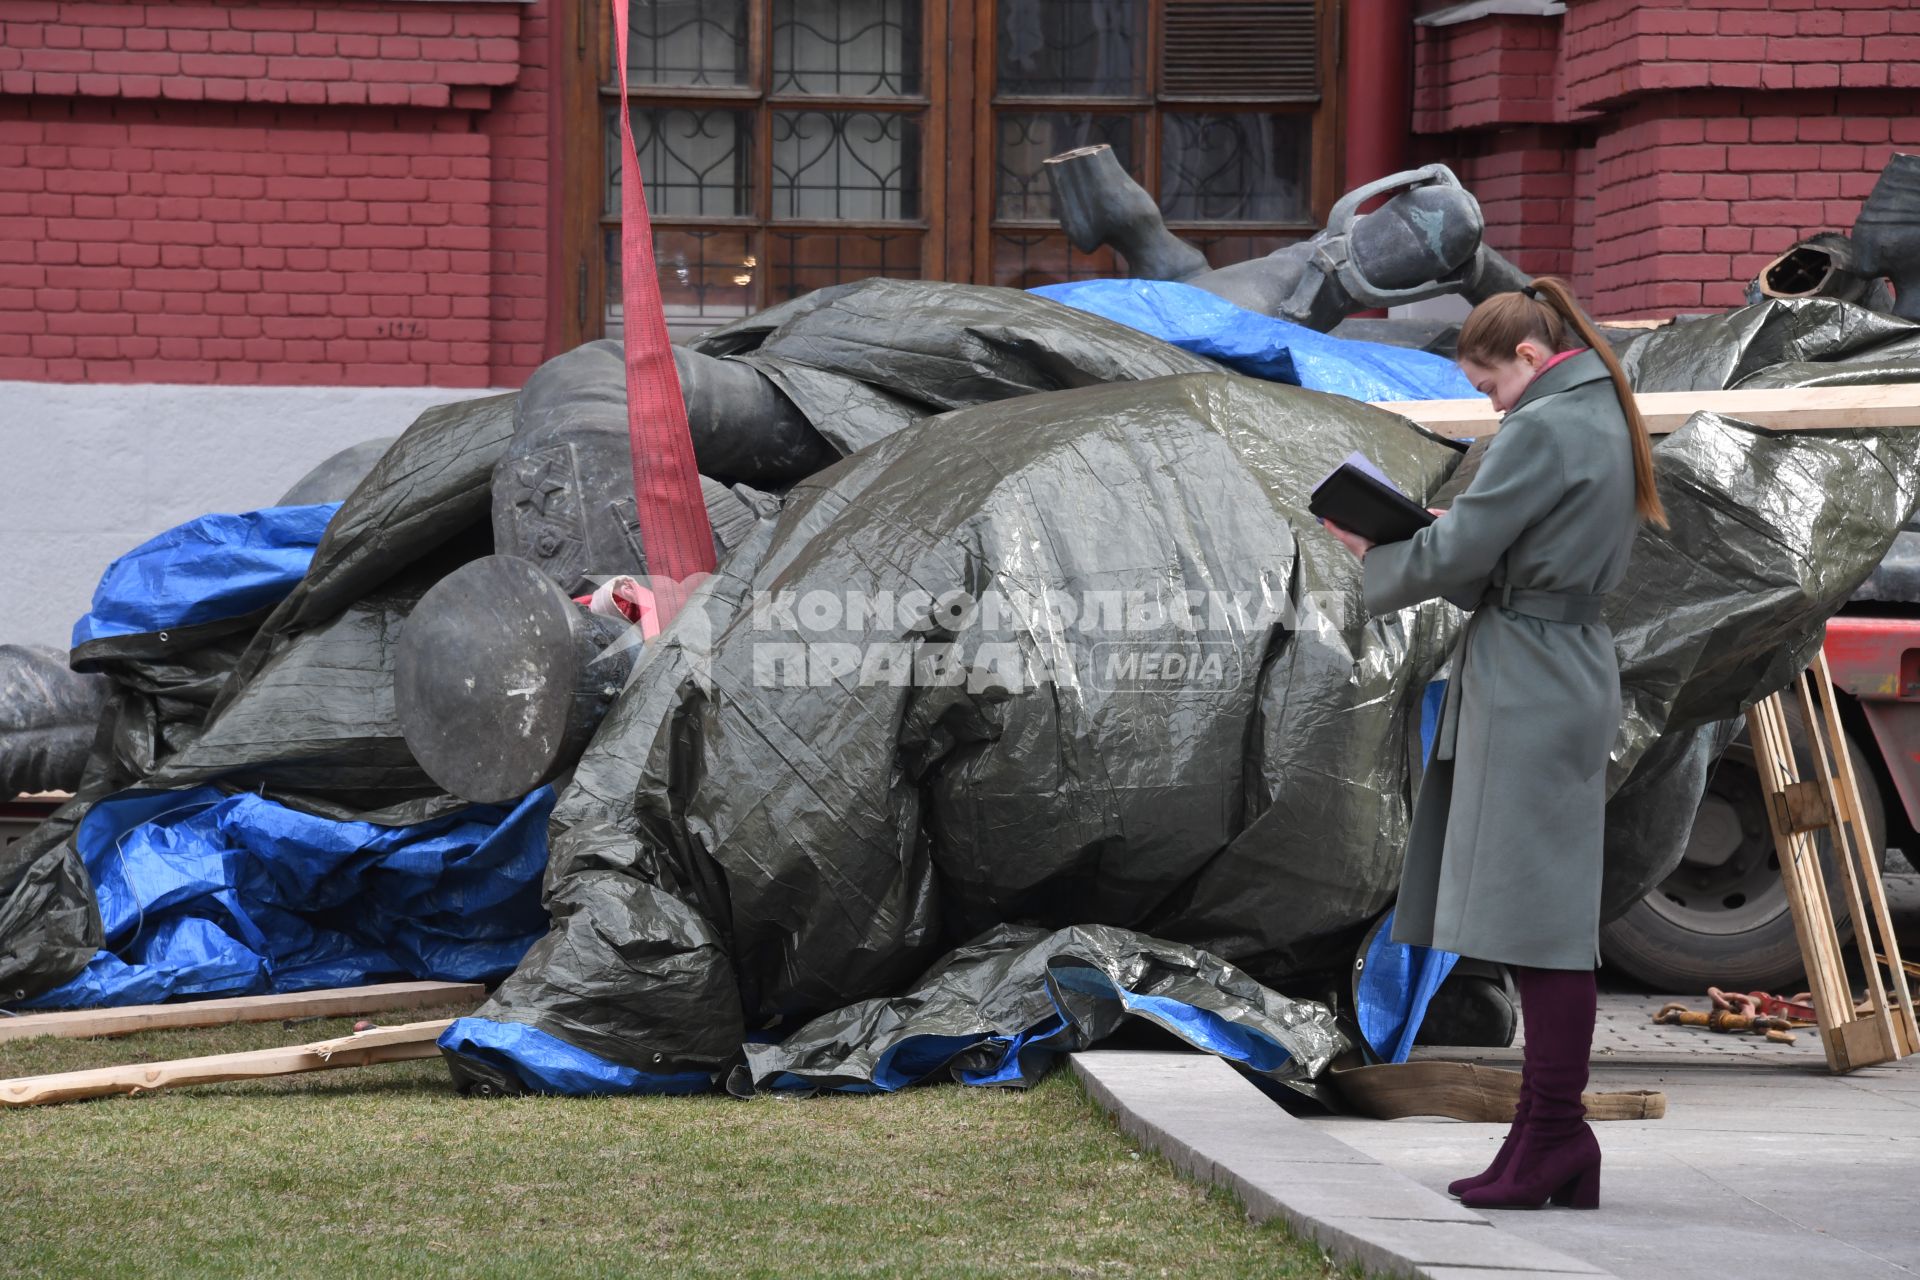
x=1548, y=606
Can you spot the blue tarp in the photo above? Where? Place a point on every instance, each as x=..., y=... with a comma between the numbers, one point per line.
x=546, y=1064
x=1263, y=346
x=1396, y=985
x=202, y=894
x=1397, y=981
x=1025, y=1058
x=206, y=570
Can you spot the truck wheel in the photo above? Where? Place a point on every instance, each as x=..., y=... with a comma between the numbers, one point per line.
x=1721, y=919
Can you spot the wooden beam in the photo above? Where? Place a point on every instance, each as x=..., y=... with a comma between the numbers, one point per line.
x=362, y=1049
x=1466, y=1091
x=1894, y=404
x=336, y=1002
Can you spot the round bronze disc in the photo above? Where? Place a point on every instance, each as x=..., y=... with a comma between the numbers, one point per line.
x=484, y=679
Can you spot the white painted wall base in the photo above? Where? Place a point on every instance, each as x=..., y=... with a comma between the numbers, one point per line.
x=1448, y=306
x=88, y=472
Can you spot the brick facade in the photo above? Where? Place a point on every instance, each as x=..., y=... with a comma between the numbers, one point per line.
x=1501, y=70
x=260, y=191
x=1711, y=134
x=361, y=192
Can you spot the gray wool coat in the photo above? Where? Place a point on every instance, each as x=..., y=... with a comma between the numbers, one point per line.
x=1504, y=859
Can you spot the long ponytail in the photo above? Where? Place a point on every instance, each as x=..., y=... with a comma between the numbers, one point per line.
x=1546, y=312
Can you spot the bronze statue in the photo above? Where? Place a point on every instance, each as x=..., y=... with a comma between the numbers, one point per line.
x=1424, y=242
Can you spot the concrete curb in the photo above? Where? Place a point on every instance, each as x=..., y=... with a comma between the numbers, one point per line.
x=1216, y=1127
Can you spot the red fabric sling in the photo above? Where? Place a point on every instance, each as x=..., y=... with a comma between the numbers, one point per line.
x=666, y=480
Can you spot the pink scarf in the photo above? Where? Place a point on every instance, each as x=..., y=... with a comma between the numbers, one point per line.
x=1564, y=355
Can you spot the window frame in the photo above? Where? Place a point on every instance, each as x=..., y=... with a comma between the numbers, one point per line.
x=959, y=145
x=1324, y=159
x=590, y=88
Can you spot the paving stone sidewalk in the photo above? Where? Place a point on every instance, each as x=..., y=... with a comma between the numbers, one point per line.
x=1765, y=1165
x=1213, y=1125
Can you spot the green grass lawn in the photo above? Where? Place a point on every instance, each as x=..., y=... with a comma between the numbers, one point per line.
x=386, y=1171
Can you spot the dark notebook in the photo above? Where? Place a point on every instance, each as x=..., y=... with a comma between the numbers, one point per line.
x=1357, y=497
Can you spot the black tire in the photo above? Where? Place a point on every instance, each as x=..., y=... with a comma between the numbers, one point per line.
x=1726, y=922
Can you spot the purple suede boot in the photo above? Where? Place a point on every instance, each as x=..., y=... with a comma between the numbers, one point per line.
x=1556, y=1156
x=1508, y=1145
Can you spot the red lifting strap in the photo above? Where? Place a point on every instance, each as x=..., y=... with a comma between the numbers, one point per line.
x=666, y=480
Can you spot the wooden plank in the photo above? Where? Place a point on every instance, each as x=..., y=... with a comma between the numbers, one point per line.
x=1801, y=808
x=1800, y=877
x=336, y=1002
x=366, y=1048
x=1467, y=1091
x=1863, y=1042
x=1849, y=850
x=1882, y=1030
x=1906, y=1029
x=1825, y=964
x=1783, y=409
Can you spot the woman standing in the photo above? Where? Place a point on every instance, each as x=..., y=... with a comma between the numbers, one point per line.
x=1504, y=859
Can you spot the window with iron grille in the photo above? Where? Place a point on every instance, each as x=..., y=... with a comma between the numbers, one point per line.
x=791, y=144
x=781, y=143
x=1214, y=106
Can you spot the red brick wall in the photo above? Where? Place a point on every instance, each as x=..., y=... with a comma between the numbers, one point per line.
x=1621, y=49
x=1586, y=185
x=272, y=192
x=1692, y=207
x=1525, y=186
x=1696, y=139
x=1502, y=70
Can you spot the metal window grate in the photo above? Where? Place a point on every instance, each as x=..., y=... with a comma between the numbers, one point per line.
x=846, y=165
x=696, y=163
x=1236, y=166
x=847, y=48
x=1228, y=50
x=694, y=43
